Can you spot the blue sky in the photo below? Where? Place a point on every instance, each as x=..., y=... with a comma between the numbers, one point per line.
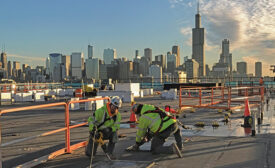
x=31, y=29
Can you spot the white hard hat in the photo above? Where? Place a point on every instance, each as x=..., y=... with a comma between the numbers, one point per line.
x=116, y=101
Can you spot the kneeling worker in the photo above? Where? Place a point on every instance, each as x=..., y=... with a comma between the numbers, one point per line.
x=105, y=121
x=160, y=126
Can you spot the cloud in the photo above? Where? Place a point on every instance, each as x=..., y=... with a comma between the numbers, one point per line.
x=32, y=61
x=186, y=31
x=248, y=24
x=26, y=57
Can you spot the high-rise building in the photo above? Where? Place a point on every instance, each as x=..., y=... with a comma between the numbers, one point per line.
x=148, y=54
x=176, y=50
x=16, y=68
x=125, y=70
x=226, y=56
x=9, y=69
x=156, y=72
x=171, y=62
x=77, y=64
x=258, y=69
x=198, y=37
x=109, y=55
x=24, y=66
x=185, y=58
x=162, y=60
x=242, y=68
x=90, y=52
x=144, y=66
x=4, y=64
x=55, y=61
x=192, y=69
x=137, y=54
x=92, y=68
x=103, y=73
x=66, y=61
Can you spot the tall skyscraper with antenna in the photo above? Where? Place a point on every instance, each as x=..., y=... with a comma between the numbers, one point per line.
x=198, y=38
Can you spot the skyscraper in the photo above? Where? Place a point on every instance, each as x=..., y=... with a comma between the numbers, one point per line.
x=4, y=63
x=137, y=54
x=77, y=64
x=242, y=68
x=198, y=44
x=162, y=61
x=55, y=61
x=148, y=54
x=171, y=62
x=192, y=67
x=156, y=72
x=258, y=69
x=109, y=55
x=16, y=68
x=90, y=52
x=66, y=60
x=225, y=56
x=176, y=50
x=9, y=69
x=92, y=68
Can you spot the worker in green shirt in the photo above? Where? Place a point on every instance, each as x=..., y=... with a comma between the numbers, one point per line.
x=105, y=120
x=159, y=125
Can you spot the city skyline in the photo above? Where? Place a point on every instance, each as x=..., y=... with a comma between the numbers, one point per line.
x=44, y=27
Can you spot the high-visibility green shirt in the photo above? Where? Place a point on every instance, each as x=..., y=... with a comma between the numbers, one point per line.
x=99, y=116
x=151, y=121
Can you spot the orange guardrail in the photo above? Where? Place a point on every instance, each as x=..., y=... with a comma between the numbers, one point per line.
x=213, y=97
x=68, y=148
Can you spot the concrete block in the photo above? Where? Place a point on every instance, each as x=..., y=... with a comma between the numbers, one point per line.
x=74, y=106
x=126, y=96
x=141, y=93
x=133, y=87
x=98, y=104
x=6, y=97
x=18, y=97
x=27, y=97
x=39, y=97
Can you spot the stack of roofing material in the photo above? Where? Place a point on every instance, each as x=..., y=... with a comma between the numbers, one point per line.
x=39, y=97
x=141, y=93
x=6, y=97
x=61, y=92
x=147, y=92
x=126, y=96
x=133, y=87
x=52, y=92
x=151, y=91
x=170, y=95
x=97, y=104
x=46, y=91
x=18, y=97
x=74, y=106
x=27, y=97
x=69, y=92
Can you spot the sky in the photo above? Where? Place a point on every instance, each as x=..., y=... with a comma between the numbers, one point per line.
x=32, y=29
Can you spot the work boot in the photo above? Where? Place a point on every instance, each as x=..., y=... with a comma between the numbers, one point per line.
x=176, y=150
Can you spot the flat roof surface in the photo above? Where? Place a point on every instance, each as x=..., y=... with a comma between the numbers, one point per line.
x=203, y=147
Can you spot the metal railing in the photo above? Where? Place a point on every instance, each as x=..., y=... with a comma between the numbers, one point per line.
x=219, y=97
x=68, y=147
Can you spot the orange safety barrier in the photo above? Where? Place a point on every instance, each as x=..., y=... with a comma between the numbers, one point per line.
x=219, y=97
x=68, y=148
